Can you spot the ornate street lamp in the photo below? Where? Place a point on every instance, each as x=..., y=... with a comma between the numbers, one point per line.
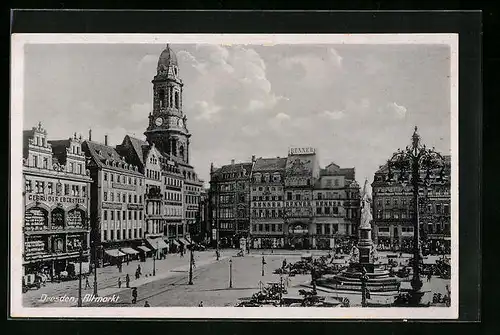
x=409, y=163
x=230, y=273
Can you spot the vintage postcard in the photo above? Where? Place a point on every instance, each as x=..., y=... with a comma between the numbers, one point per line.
x=189, y=176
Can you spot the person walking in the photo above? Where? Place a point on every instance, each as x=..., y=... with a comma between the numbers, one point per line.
x=146, y=304
x=127, y=281
x=139, y=270
x=134, y=295
x=87, y=284
x=119, y=282
x=200, y=304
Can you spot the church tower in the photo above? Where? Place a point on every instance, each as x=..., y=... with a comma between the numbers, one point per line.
x=167, y=123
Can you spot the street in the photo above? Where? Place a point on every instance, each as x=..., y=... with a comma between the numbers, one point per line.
x=169, y=287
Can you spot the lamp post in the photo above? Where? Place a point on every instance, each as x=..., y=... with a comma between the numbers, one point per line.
x=230, y=273
x=191, y=267
x=80, y=279
x=154, y=259
x=364, y=279
x=263, y=263
x=409, y=163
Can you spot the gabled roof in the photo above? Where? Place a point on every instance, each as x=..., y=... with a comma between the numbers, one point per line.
x=100, y=153
x=269, y=164
x=138, y=145
x=237, y=167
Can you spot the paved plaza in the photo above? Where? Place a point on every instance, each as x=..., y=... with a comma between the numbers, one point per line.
x=169, y=287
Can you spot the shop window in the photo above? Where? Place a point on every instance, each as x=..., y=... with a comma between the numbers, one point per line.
x=57, y=218
x=36, y=219
x=58, y=245
x=76, y=218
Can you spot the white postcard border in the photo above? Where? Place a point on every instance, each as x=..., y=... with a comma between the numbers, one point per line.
x=17, y=84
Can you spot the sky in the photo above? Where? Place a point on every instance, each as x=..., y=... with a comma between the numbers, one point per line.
x=356, y=104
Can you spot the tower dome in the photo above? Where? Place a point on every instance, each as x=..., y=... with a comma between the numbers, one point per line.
x=167, y=59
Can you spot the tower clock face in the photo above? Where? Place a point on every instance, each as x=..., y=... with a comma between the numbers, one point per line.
x=159, y=121
x=181, y=123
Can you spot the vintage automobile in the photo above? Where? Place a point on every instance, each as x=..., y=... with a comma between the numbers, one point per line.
x=30, y=282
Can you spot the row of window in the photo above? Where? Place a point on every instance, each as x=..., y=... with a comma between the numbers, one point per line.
x=122, y=179
x=267, y=227
x=267, y=188
x=43, y=163
x=172, y=97
x=191, y=214
x=267, y=198
x=266, y=178
x=173, y=182
x=40, y=141
x=266, y=213
x=327, y=210
x=119, y=216
x=192, y=199
x=298, y=196
x=152, y=174
x=122, y=197
x=232, y=187
x=173, y=196
x=324, y=228
x=42, y=187
x=122, y=234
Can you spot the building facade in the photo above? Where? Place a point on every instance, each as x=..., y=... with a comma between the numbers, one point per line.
x=267, y=203
x=230, y=201
x=117, y=202
x=336, y=203
x=293, y=202
x=56, y=203
x=393, y=212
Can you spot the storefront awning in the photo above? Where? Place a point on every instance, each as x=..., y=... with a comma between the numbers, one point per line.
x=129, y=251
x=114, y=253
x=184, y=241
x=144, y=248
x=157, y=243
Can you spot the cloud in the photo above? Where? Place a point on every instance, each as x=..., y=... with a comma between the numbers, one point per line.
x=148, y=62
x=206, y=111
x=335, y=115
x=250, y=130
x=282, y=117
x=397, y=110
x=314, y=68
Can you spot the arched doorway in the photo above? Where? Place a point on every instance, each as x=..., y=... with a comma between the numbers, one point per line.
x=299, y=235
x=36, y=218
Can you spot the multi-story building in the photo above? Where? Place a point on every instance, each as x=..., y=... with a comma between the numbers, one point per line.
x=293, y=202
x=301, y=173
x=267, y=203
x=56, y=200
x=336, y=206
x=230, y=201
x=393, y=211
x=117, y=202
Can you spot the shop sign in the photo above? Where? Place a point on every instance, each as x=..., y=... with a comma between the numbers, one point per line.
x=135, y=206
x=123, y=186
x=111, y=205
x=55, y=198
x=302, y=151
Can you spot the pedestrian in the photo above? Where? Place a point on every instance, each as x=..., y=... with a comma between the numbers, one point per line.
x=200, y=304
x=284, y=264
x=127, y=281
x=137, y=274
x=120, y=267
x=87, y=284
x=128, y=260
x=139, y=269
x=134, y=295
x=146, y=304
x=429, y=276
x=119, y=282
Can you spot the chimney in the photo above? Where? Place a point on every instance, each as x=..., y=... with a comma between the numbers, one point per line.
x=90, y=134
x=232, y=161
x=105, y=139
x=211, y=167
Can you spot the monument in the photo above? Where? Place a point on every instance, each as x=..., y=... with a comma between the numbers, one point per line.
x=364, y=268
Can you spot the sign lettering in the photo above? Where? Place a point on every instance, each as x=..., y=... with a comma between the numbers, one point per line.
x=302, y=151
x=54, y=198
